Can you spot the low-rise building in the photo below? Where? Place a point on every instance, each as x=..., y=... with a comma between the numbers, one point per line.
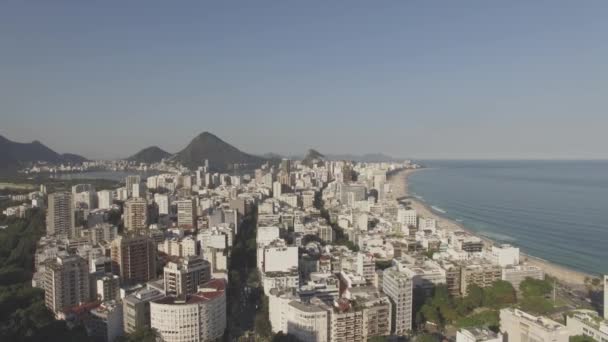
x=588, y=323
x=197, y=317
x=519, y=326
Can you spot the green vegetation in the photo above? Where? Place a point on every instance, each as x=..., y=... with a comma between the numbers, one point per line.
x=23, y=316
x=534, y=293
x=581, y=338
x=245, y=311
x=442, y=309
x=383, y=264
x=262, y=321
x=487, y=318
x=534, y=287
x=427, y=338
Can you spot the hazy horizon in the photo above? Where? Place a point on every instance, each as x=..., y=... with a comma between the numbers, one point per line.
x=516, y=80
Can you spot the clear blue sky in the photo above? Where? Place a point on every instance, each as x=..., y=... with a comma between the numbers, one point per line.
x=434, y=79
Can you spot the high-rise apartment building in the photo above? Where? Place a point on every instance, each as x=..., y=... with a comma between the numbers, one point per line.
x=162, y=201
x=134, y=259
x=60, y=214
x=398, y=286
x=186, y=213
x=129, y=182
x=105, y=199
x=136, y=309
x=66, y=283
x=136, y=214
x=184, y=275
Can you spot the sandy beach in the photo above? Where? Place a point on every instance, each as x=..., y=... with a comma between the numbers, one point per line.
x=399, y=186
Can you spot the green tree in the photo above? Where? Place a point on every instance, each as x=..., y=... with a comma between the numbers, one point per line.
x=581, y=338
x=536, y=305
x=427, y=338
x=534, y=287
x=474, y=298
x=499, y=294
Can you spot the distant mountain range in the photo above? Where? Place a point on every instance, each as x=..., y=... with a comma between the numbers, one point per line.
x=14, y=155
x=206, y=146
x=364, y=158
x=150, y=155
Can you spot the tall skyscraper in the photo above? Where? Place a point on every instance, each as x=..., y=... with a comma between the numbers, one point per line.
x=134, y=259
x=66, y=283
x=136, y=214
x=186, y=213
x=60, y=214
x=129, y=181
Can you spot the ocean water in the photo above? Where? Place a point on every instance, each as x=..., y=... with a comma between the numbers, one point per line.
x=555, y=210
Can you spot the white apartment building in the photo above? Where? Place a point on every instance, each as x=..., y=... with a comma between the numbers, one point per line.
x=477, y=335
x=407, y=217
x=516, y=274
x=162, y=201
x=280, y=281
x=398, y=286
x=588, y=323
x=277, y=189
x=105, y=199
x=519, y=326
x=199, y=317
x=278, y=257
x=427, y=223
x=266, y=235
x=308, y=322
x=503, y=255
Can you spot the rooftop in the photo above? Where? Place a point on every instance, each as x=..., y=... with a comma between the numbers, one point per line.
x=210, y=290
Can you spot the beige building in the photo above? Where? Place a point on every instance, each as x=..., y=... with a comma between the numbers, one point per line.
x=136, y=309
x=134, y=259
x=186, y=213
x=60, y=214
x=136, y=214
x=519, y=326
x=398, y=286
x=183, y=276
x=66, y=283
x=482, y=275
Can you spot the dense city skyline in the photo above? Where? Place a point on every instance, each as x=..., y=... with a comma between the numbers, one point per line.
x=516, y=80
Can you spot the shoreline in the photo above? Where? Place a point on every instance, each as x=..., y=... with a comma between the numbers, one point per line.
x=564, y=274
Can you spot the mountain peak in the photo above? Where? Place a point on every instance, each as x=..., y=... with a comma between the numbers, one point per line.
x=312, y=157
x=220, y=154
x=150, y=155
